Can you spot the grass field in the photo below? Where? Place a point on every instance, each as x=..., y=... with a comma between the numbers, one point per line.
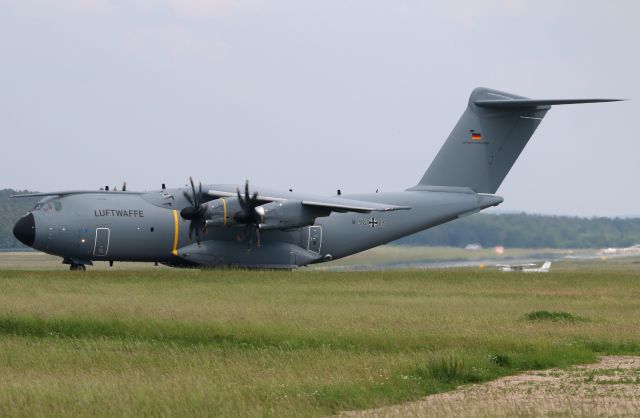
x=162, y=342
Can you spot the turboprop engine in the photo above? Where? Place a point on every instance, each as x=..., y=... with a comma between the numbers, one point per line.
x=290, y=214
x=254, y=214
x=274, y=215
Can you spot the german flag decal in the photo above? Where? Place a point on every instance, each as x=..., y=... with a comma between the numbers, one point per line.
x=476, y=136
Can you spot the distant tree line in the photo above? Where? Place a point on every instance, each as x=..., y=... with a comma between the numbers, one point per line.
x=10, y=211
x=511, y=230
x=531, y=231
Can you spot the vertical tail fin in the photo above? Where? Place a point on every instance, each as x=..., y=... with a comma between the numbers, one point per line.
x=545, y=266
x=488, y=139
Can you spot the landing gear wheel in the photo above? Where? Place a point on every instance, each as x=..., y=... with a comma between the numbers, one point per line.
x=80, y=267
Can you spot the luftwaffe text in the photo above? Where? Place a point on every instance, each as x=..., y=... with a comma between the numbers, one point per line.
x=133, y=213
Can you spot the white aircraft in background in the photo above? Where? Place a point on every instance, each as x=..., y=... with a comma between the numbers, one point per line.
x=526, y=268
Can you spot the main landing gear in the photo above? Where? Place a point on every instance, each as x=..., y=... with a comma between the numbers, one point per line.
x=77, y=264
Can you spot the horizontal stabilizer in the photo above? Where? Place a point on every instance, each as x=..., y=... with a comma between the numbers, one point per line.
x=520, y=103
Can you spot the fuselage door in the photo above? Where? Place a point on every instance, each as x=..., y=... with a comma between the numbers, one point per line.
x=315, y=239
x=102, y=242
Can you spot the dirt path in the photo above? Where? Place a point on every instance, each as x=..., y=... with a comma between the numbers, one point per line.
x=610, y=387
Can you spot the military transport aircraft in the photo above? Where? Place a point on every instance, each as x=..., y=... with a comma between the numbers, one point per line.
x=218, y=225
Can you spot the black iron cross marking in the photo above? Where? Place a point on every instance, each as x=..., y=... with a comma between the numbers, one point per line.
x=373, y=222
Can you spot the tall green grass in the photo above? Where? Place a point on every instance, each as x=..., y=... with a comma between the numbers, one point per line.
x=243, y=343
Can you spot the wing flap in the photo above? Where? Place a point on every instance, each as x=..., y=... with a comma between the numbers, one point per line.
x=348, y=205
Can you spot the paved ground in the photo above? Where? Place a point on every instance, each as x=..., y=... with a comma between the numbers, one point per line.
x=609, y=388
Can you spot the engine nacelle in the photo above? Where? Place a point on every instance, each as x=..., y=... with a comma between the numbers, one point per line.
x=220, y=211
x=290, y=214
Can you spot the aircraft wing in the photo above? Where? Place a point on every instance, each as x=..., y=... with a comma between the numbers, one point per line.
x=515, y=265
x=261, y=197
x=334, y=204
x=70, y=192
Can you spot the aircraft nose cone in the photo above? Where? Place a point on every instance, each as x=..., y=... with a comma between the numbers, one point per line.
x=25, y=229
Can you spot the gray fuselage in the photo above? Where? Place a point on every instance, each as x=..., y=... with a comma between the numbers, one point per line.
x=125, y=226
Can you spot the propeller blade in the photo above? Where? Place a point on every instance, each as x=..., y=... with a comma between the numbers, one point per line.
x=241, y=200
x=193, y=188
x=249, y=215
x=188, y=197
x=195, y=212
x=248, y=237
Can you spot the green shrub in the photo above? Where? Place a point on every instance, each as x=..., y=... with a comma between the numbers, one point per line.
x=553, y=316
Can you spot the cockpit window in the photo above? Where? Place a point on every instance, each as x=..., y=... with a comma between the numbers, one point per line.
x=45, y=207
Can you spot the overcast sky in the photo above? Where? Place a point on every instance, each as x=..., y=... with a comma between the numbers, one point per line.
x=314, y=95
